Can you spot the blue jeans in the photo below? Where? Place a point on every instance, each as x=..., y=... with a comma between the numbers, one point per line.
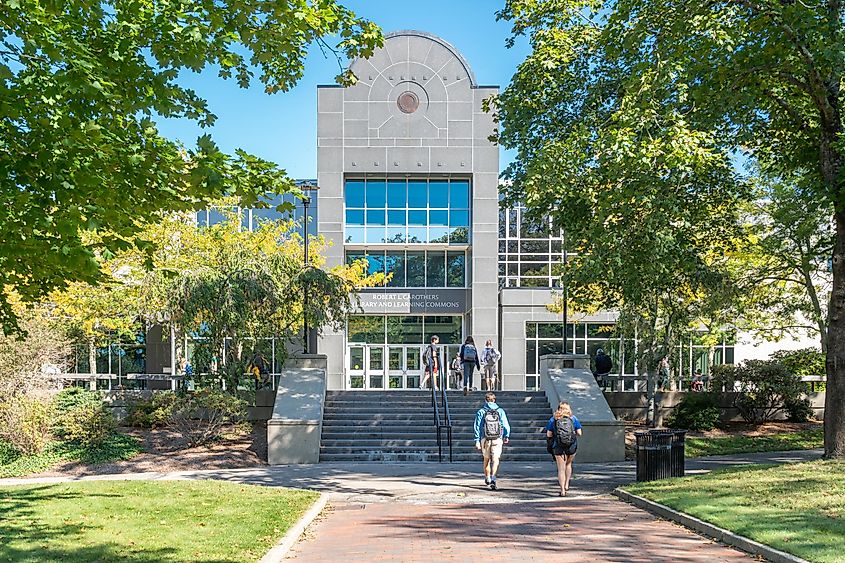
x=469, y=370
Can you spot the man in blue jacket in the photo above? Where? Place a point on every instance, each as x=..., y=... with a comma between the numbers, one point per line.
x=491, y=432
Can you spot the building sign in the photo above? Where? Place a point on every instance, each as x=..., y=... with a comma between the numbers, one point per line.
x=428, y=301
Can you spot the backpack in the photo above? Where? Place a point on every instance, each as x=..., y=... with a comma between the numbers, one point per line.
x=470, y=353
x=565, y=432
x=491, y=356
x=492, y=424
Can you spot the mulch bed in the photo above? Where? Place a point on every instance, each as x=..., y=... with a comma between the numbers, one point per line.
x=731, y=429
x=165, y=451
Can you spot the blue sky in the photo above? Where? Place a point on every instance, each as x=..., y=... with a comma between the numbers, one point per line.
x=282, y=127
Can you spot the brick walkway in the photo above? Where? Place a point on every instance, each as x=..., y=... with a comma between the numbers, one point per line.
x=577, y=529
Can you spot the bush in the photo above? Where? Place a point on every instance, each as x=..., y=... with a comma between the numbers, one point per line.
x=25, y=423
x=82, y=417
x=73, y=397
x=798, y=410
x=201, y=416
x=696, y=411
x=89, y=425
x=764, y=388
x=807, y=361
x=154, y=412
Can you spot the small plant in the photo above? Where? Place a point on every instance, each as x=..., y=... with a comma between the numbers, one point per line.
x=696, y=411
x=201, y=416
x=25, y=423
x=154, y=412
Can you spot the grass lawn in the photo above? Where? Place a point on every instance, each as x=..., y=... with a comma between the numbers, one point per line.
x=153, y=521
x=116, y=447
x=723, y=445
x=798, y=508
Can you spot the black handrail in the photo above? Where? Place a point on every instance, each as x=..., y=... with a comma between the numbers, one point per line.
x=436, y=412
x=447, y=417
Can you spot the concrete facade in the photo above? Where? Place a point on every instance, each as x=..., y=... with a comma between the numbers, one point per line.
x=568, y=378
x=363, y=131
x=517, y=307
x=294, y=429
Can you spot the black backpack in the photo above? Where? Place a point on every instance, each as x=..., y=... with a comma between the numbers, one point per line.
x=492, y=424
x=565, y=432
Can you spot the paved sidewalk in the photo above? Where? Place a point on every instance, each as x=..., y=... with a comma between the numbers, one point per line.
x=570, y=529
x=436, y=483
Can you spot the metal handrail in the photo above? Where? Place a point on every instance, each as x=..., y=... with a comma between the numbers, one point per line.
x=447, y=416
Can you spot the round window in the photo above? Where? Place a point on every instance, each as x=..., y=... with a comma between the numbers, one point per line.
x=408, y=102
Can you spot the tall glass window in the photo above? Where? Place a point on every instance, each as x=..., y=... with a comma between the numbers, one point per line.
x=399, y=211
x=415, y=262
x=404, y=329
x=415, y=268
x=435, y=269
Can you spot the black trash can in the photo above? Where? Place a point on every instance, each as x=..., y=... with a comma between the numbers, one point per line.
x=660, y=454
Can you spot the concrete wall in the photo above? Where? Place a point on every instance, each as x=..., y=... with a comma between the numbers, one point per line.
x=604, y=435
x=521, y=305
x=633, y=405
x=362, y=131
x=293, y=432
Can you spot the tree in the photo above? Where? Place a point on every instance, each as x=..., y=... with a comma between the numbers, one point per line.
x=229, y=288
x=758, y=77
x=784, y=270
x=81, y=85
x=27, y=362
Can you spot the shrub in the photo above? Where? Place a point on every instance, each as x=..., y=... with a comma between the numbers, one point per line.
x=25, y=423
x=201, y=416
x=154, y=412
x=89, y=425
x=73, y=397
x=82, y=417
x=696, y=411
x=764, y=388
x=807, y=361
x=798, y=410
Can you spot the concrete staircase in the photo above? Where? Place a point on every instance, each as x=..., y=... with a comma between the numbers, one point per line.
x=396, y=426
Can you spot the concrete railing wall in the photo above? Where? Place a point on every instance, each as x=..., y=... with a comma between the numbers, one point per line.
x=568, y=378
x=629, y=405
x=293, y=432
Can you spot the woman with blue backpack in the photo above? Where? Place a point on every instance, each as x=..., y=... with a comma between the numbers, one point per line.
x=562, y=433
x=469, y=360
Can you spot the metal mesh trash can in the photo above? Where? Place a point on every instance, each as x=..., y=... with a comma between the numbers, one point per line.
x=660, y=454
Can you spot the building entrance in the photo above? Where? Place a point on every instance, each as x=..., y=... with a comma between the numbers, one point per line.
x=376, y=366
x=392, y=366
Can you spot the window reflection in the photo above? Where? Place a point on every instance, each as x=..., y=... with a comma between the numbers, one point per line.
x=397, y=203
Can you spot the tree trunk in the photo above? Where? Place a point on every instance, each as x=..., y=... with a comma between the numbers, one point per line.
x=92, y=356
x=834, y=403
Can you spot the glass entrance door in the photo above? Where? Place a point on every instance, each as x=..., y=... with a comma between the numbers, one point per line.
x=375, y=367
x=384, y=367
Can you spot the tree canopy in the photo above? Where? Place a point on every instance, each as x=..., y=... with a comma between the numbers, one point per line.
x=81, y=86
x=709, y=81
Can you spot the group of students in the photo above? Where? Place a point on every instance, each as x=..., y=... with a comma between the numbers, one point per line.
x=463, y=365
x=492, y=432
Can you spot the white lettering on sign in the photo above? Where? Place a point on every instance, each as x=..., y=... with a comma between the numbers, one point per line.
x=450, y=301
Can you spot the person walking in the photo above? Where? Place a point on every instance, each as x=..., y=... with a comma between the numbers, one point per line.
x=489, y=359
x=457, y=370
x=491, y=433
x=469, y=361
x=562, y=433
x=431, y=360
